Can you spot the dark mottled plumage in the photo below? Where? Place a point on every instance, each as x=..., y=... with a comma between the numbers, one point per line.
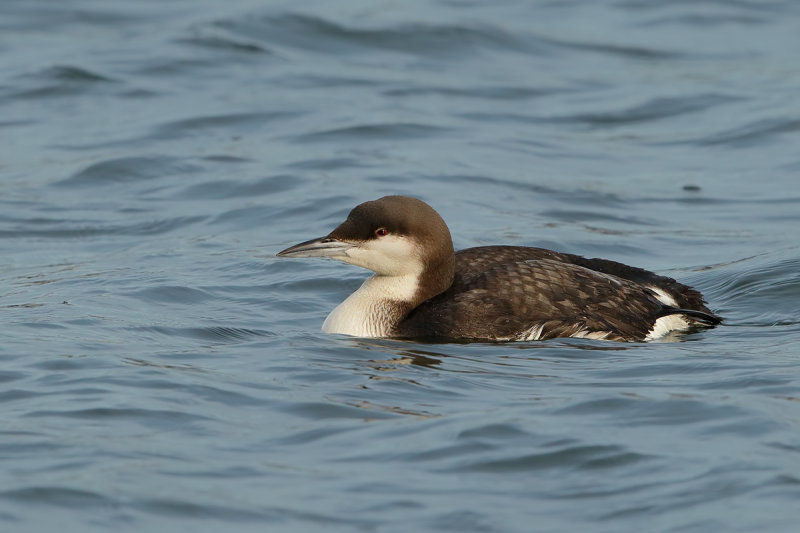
x=489, y=292
x=501, y=292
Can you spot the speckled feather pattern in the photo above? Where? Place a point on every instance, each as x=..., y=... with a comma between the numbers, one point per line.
x=505, y=292
x=421, y=288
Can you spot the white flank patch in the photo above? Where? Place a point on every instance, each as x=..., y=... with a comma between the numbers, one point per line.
x=368, y=311
x=533, y=334
x=596, y=335
x=663, y=297
x=667, y=324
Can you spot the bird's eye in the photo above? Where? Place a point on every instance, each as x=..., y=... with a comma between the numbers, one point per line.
x=381, y=232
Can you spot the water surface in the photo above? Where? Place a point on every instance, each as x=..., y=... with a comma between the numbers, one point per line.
x=162, y=370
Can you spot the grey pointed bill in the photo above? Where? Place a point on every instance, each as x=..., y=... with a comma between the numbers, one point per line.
x=322, y=247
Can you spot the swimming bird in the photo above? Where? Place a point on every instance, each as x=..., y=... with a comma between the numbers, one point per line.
x=422, y=288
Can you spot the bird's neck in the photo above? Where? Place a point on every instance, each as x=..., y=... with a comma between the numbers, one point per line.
x=382, y=302
x=376, y=308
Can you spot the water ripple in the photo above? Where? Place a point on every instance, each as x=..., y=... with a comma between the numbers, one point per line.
x=623, y=51
x=650, y=111
x=62, y=80
x=772, y=287
x=67, y=229
x=753, y=134
x=236, y=189
x=128, y=169
x=58, y=496
x=160, y=366
x=504, y=93
x=373, y=132
x=224, y=44
x=220, y=334
x=235, y=122
x=160, y=419
x=590, y=457
x=317, y=34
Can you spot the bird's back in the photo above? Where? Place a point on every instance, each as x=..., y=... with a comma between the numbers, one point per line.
x=517, y=293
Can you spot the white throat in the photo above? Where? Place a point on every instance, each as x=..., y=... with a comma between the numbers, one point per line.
x=375, y=308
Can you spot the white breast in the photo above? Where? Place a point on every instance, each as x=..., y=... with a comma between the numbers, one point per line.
x=372, y=311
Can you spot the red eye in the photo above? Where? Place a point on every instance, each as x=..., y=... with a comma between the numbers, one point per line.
x=381, y=232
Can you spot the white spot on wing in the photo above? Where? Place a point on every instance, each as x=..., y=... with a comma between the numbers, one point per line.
x=662, y=296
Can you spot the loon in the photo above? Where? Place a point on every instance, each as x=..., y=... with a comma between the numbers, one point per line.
x=423, y=289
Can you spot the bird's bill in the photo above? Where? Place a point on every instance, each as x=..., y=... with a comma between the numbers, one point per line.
x=322, y=247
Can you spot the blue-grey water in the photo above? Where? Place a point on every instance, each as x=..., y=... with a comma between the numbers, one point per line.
x=161, y=370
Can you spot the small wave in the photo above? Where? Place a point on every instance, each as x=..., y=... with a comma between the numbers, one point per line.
x=655, y=109
x=222, y=334
x=208, y=511
x=646, y=412
x=238, y=189
x=203, y=510
x=587, y=457
x=172, y=294
x=652, y=110
x=373, y=132
x=328, y=163
x=328, y=410
x=61, y=80
x=129, y=169
x=595, y=216
x=756, y=292
x=483, y=93
x=235, y=123
x=624, y=51
x=706, y=20
x=752, y=134
x=320, y=35
x=161, y=419
x=70, y=229
x=315, y=81
x=289, y=216
x=224, y=44
x=59, y=496
x=71, y=73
